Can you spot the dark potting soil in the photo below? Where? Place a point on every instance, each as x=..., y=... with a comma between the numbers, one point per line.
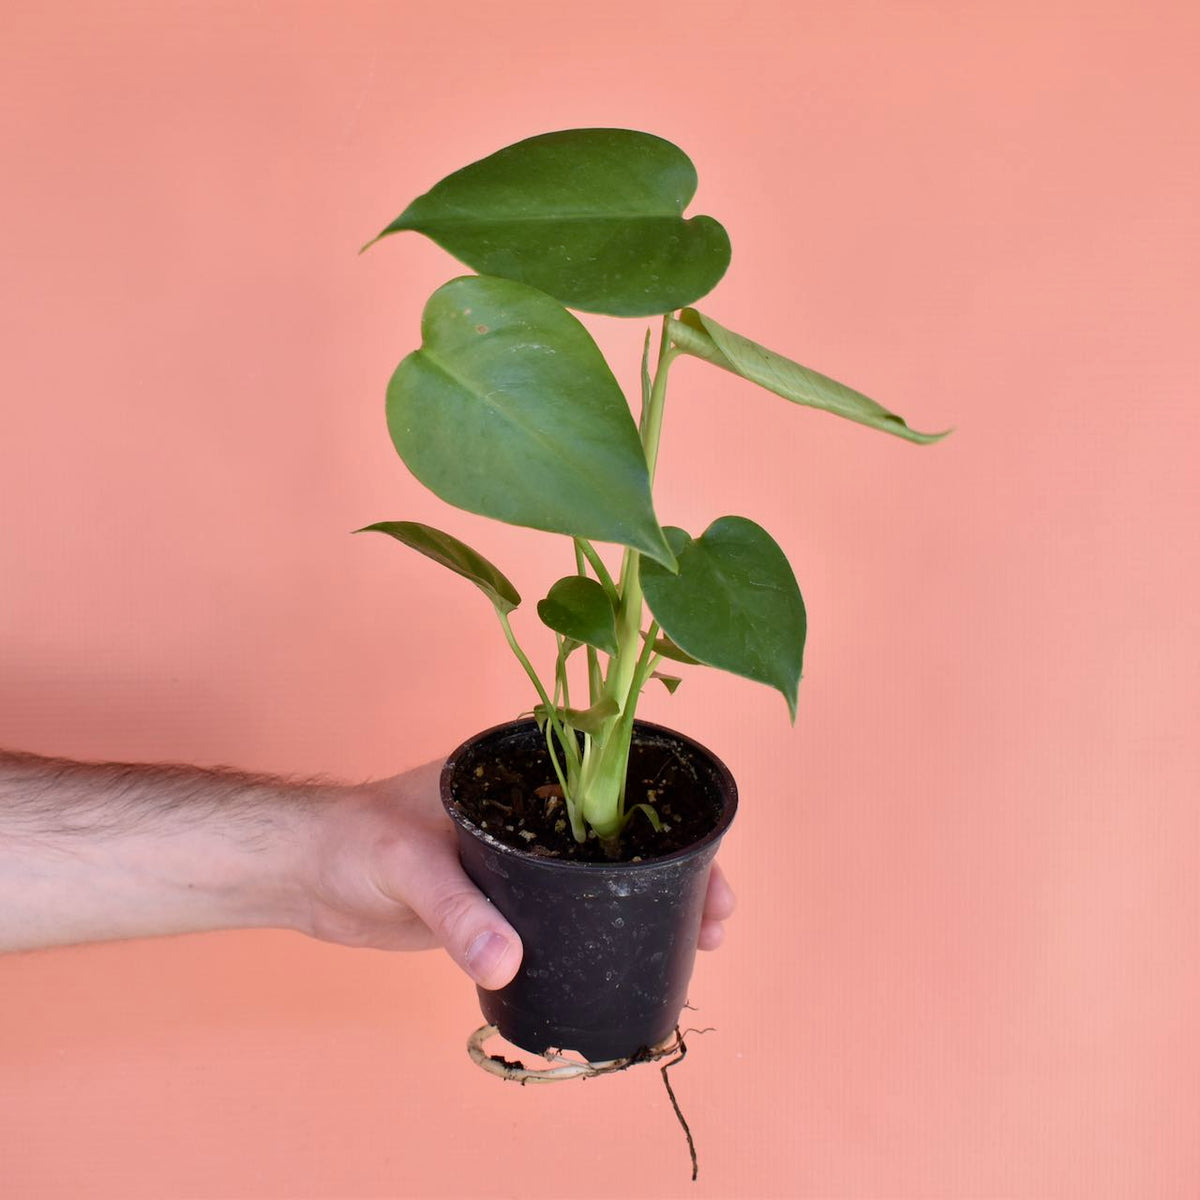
x=516, y=798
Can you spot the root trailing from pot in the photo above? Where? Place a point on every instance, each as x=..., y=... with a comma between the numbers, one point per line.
x=562, y=1067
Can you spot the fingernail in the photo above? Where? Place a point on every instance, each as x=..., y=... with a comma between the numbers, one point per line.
x=484, y=956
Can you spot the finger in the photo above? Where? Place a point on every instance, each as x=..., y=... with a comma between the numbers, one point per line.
x=719, y=902
x=474, y=934
x=712, y=934
x=464, y=921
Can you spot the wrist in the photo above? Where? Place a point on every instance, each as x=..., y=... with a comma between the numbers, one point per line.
x=263, y=877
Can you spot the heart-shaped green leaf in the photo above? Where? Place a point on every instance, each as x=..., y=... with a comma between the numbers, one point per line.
x=508, y=409
x=734, y=603
x=592, y=216
x=696, y=334
x=456, y=555
x=580, y=609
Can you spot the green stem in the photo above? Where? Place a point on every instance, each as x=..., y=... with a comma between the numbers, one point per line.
x=565, y=736
x=629, y=627
x=584, y=547
x=647, y=661
x=562, y=779
x=595, y=680
x=602, y=784
x=629, y=614
x=523, y=659
x=575, y=804
x=640, y=675
x=564, y=679
x=658, y=395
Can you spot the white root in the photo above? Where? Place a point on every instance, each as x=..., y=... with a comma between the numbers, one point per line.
x=563, y=1067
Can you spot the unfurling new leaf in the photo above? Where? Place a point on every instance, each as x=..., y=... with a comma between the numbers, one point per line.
x=701, y=336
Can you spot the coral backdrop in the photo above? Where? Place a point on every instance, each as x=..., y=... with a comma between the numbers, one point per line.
x=965, y=960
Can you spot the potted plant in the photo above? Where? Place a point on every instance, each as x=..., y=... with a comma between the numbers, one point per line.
x=591, y=832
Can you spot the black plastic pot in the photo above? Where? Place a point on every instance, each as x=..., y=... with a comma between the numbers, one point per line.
x=609, y=947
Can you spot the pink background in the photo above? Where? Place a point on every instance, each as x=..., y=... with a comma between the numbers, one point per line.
x=965, y=960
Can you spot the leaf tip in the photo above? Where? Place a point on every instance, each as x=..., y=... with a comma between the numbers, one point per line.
x=396, y=226
x=661, y=553
x=902, y=428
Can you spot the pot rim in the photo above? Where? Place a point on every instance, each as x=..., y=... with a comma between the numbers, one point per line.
x=725, y=781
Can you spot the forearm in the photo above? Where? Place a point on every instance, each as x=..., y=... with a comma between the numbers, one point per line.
x=92, y=852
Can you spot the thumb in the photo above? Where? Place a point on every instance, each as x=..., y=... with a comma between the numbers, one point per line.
x=466, y=923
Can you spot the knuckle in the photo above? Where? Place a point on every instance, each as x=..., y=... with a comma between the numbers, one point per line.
x=451, y=911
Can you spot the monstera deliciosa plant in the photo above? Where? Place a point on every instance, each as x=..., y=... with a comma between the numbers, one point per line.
x=508, y=409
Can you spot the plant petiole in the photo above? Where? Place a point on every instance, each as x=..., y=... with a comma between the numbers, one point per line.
x=584, y=547
x=565, y=737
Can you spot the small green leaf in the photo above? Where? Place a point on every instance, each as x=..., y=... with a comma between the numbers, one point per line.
x=702, y=337
x=579, y=608
x=509, y=410
x=591, y=216
x=667, y=649
x=734, y=603
x=648, y=812
x=456, y=555
x=586, y=720
x=670, y=682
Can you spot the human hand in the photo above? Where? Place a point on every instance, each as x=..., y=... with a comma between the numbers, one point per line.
x=384, y=872
x=718, y=908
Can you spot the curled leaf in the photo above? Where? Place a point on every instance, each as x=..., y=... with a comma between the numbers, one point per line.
x=455, y=555
x=701, y=336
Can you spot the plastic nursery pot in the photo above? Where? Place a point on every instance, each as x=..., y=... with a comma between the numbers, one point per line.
x=609, y=946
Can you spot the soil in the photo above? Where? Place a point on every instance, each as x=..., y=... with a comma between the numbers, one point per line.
x=518, y=801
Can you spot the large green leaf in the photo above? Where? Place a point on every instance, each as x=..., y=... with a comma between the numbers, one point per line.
x=508, y=409
x=734, y=603
x=580, y=609
x=456, y=555
x=696, y=334
x=592, y=216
